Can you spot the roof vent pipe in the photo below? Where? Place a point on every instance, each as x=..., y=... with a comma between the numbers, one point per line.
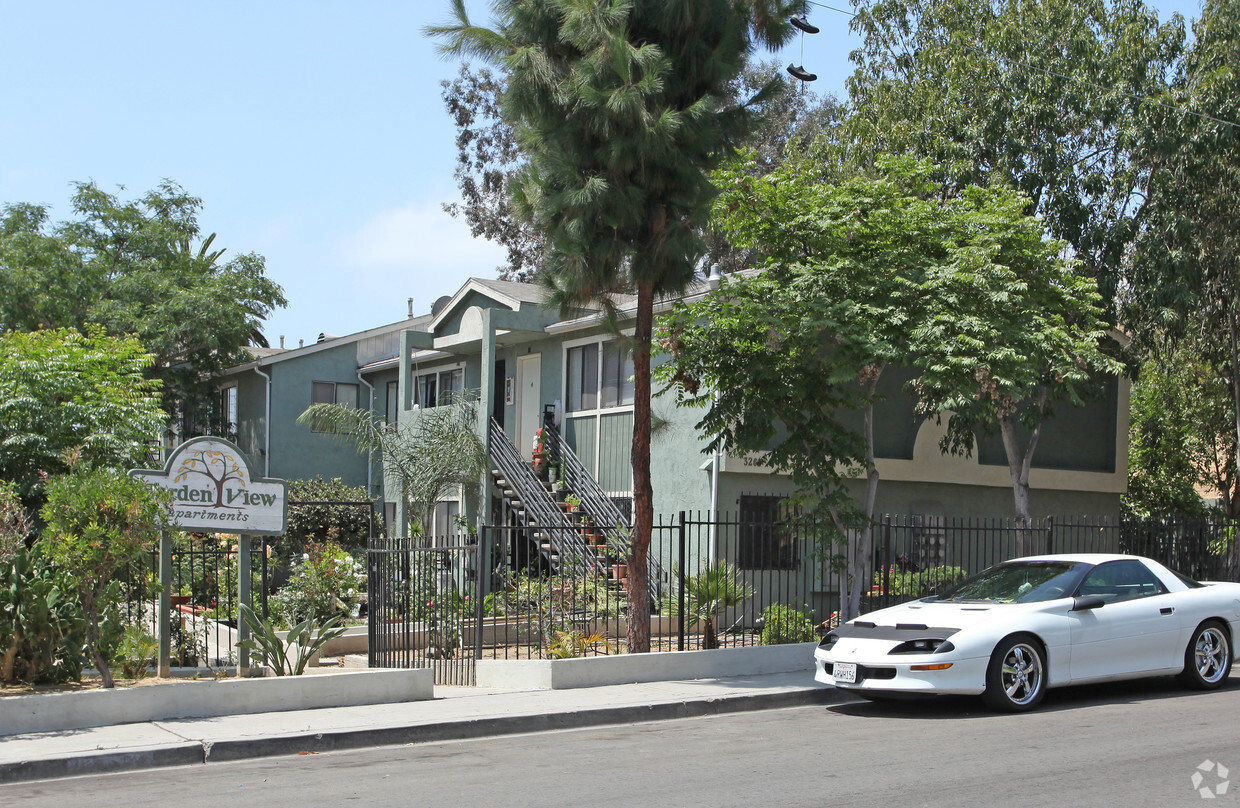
x=410, y=308
x=714, y=278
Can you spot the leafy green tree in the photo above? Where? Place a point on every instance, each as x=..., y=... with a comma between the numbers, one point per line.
x=1182, y=435
x=1010, y=333
x=867, y=271
x=98, y=522
x=431, y=458
x=489, y=157
x=620, y=109
x=1043, y=96
x=63, y=392
x=1186, y=276
x=139, y=268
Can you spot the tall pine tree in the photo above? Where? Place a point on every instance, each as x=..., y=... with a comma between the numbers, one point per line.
x=620, y=107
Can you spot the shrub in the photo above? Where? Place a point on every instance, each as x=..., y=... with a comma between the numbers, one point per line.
x=325, y=582
x=98, y=522
x=136, y=652
x=921, y=583
x=42, y=629
x=783, y=624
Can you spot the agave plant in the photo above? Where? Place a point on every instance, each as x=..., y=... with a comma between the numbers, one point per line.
x=280, y=654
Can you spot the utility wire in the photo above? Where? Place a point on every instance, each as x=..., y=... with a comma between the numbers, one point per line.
x=1135, y=96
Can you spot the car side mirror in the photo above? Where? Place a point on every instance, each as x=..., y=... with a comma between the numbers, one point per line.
x=1087, y=602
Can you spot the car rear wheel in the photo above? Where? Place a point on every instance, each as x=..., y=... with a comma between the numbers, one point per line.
x=1016, y=677
x=1207, y=659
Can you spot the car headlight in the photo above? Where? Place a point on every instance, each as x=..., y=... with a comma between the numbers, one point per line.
x=828, y=641
x=923, y=646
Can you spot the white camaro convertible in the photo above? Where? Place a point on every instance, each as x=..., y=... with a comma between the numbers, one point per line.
x=1012, y=631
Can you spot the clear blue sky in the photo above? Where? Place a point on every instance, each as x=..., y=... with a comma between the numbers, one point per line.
x=313, y=131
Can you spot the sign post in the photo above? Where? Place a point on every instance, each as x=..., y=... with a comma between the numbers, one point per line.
x=214, y=492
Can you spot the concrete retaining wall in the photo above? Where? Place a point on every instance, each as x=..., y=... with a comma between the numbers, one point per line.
x=560, y=674
x=203, y=699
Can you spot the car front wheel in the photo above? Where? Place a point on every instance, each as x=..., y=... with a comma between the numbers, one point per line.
x=1016, y=678
x=1207, y=659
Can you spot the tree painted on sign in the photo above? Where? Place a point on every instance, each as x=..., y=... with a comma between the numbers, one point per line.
x=217, y=466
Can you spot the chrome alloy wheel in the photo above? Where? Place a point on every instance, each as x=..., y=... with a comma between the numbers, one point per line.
x=1210, y=654
x=1021, y=674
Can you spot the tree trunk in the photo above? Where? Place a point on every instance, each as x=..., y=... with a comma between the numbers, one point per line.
x=1020, y=461
x=860, y=571
x=93, y=640
x=709, y=638
x=643, y=492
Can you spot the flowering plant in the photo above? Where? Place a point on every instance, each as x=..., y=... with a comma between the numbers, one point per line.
x=325, y=582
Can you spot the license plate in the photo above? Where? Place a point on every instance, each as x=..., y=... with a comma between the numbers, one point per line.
x=845, y=672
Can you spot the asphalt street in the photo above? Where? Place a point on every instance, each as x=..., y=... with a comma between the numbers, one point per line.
x=1132, y=744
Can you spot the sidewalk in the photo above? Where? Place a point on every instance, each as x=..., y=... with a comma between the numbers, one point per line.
x=455, y=713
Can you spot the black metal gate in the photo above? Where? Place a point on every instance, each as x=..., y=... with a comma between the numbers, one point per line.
x=425, y=607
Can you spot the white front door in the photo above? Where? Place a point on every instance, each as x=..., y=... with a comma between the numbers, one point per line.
x=529, y=401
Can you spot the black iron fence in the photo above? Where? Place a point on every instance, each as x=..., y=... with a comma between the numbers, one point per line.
x=203, y=596
x=424, y=609
x=729, y=581
x=916, y=556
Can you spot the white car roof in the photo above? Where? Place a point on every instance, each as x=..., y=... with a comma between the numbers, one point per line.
x=1085, y=558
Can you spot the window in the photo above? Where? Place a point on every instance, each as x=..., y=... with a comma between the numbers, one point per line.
x=764, y=542
x=446, y=522
x=591, y=386
x=1121, y=580
x=332, y=393
x=437, y=389
x=228, y=411
x=393, y=401
x=617, y=375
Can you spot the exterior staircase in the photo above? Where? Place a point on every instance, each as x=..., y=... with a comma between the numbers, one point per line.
x=564, y=544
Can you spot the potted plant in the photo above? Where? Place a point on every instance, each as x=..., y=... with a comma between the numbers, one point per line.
x=573, y=502
x=541, y=457
x=560, y=490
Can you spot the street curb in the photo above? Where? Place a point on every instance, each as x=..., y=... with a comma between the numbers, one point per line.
x=121, y=760
x=182, y=754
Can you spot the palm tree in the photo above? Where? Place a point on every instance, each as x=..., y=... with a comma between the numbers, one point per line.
x=432, y=458
x=708, y=593
x=621, y=110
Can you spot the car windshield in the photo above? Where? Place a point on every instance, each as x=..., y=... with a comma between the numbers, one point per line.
x=1020, y=582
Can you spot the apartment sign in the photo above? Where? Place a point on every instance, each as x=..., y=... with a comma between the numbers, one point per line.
x=213, y=490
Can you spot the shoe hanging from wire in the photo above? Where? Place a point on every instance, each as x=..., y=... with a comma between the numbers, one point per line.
x=805, y=27
x=799, y=21
x=801, y=73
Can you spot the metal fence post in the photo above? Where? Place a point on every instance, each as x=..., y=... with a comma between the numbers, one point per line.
x=1050, y=535
x=483, y=577
x=680, y=584
x=886, y=594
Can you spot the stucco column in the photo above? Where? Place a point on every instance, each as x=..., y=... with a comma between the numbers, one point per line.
x=475, y=502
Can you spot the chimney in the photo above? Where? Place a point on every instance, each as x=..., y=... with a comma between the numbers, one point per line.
x=410, y=308
x=281, y=342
